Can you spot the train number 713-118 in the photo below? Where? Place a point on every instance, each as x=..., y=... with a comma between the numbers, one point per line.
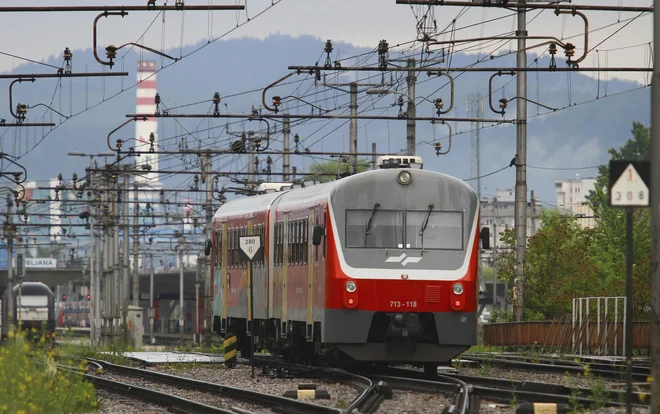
x=403, y=304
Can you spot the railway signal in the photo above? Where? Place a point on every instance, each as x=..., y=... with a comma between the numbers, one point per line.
x=629, y=188
x=250, y=250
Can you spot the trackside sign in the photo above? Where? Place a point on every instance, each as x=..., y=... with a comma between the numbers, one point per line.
x=41, y=263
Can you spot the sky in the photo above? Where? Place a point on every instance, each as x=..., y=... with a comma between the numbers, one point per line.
x=362, y=23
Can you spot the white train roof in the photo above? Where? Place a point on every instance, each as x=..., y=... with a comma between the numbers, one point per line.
x=247, y=205
x=290, y=198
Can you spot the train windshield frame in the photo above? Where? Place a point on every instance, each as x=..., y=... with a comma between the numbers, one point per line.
x=29, y=301
x=400, y=229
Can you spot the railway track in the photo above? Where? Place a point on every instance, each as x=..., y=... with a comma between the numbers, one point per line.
x=366, y=402
x=617, y=372
x=641, y=367
x=503, y=390
x=371, y=394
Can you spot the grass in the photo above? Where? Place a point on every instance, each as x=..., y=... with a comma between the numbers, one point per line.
x=31, y=383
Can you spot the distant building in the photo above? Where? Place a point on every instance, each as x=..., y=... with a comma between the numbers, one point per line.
x=572, y=198
x=498, y=214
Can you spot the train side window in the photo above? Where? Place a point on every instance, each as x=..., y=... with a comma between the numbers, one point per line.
x=289, y=242
x=243, y=233
x=218, y=248
x=294, y=243
x=230, y=245
x=262, y=235
x=305, y=239
x=281, y=256
x=300, y=242
x=316, y=248
x=325, y=232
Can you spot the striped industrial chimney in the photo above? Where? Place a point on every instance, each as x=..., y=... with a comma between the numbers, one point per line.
x=146, y=104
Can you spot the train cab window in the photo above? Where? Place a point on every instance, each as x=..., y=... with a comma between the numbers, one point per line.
x=374, y=229
x=434, y=230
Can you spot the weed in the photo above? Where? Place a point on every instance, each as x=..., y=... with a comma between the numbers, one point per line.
x=31, y=383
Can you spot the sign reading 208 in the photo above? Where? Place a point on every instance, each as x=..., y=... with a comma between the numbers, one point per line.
x=250, y=247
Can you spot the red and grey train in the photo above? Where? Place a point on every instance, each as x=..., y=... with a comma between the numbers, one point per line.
x=377, y=267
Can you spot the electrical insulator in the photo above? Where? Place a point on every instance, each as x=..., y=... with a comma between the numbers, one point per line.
x=196, y=179
x=179, y=4
x=296, y=138
x=438, y=105
x=569, y=50
x=277, y=101
x=152, y=140
x=400, y=101
x=17, y=177
x=503, y=103
x=257, y=143
x=67, y=60
x=111, y=53
x=328, y=50
x=75, y=178
x=216, y=102
x=438, y=146
x=383, y=48
x=119, y=143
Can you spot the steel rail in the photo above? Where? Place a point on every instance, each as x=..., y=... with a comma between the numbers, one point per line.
x=613, y=366
x=370, y=394
x=528, y=387
x=530, y=366
x=503, y=390
x=173, y=403
x=293, y=406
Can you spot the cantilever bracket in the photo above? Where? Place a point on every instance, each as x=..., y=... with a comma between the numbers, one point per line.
x=11, y=105
x=263, y=94
x=437, y=144
x=573, y=12
x=112, y=50
x=490, y=91
x=451, y=83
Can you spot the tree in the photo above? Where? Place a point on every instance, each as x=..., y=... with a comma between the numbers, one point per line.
x=335, y=167
x=565, y=260
x=556, y=269
x=610, y=230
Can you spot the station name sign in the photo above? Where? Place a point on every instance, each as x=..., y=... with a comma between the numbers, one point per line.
x=41, y=263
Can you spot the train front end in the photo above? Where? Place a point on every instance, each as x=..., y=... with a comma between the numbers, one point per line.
x=402, y=260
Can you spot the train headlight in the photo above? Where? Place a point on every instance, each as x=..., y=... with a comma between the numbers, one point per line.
x=457, y=289
x=350, y=286
x=404, y=178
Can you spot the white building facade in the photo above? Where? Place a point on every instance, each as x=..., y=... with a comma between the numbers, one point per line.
x=572, y=198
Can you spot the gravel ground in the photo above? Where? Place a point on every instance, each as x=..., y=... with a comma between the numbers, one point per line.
x=405, y=402
x=197, y=396
x=112, y=403
x=240, y=377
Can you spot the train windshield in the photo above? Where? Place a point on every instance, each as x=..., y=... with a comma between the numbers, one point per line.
x=32, y=301
x=403, y=229
x=386, y=228
x=444, y=230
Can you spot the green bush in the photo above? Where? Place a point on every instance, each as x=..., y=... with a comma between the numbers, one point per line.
x=31, y=383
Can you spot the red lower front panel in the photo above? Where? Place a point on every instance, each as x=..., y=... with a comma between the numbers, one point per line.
x=401, y=295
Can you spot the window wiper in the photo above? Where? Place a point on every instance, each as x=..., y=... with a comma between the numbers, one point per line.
x=425, y=223
x=370, y=222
